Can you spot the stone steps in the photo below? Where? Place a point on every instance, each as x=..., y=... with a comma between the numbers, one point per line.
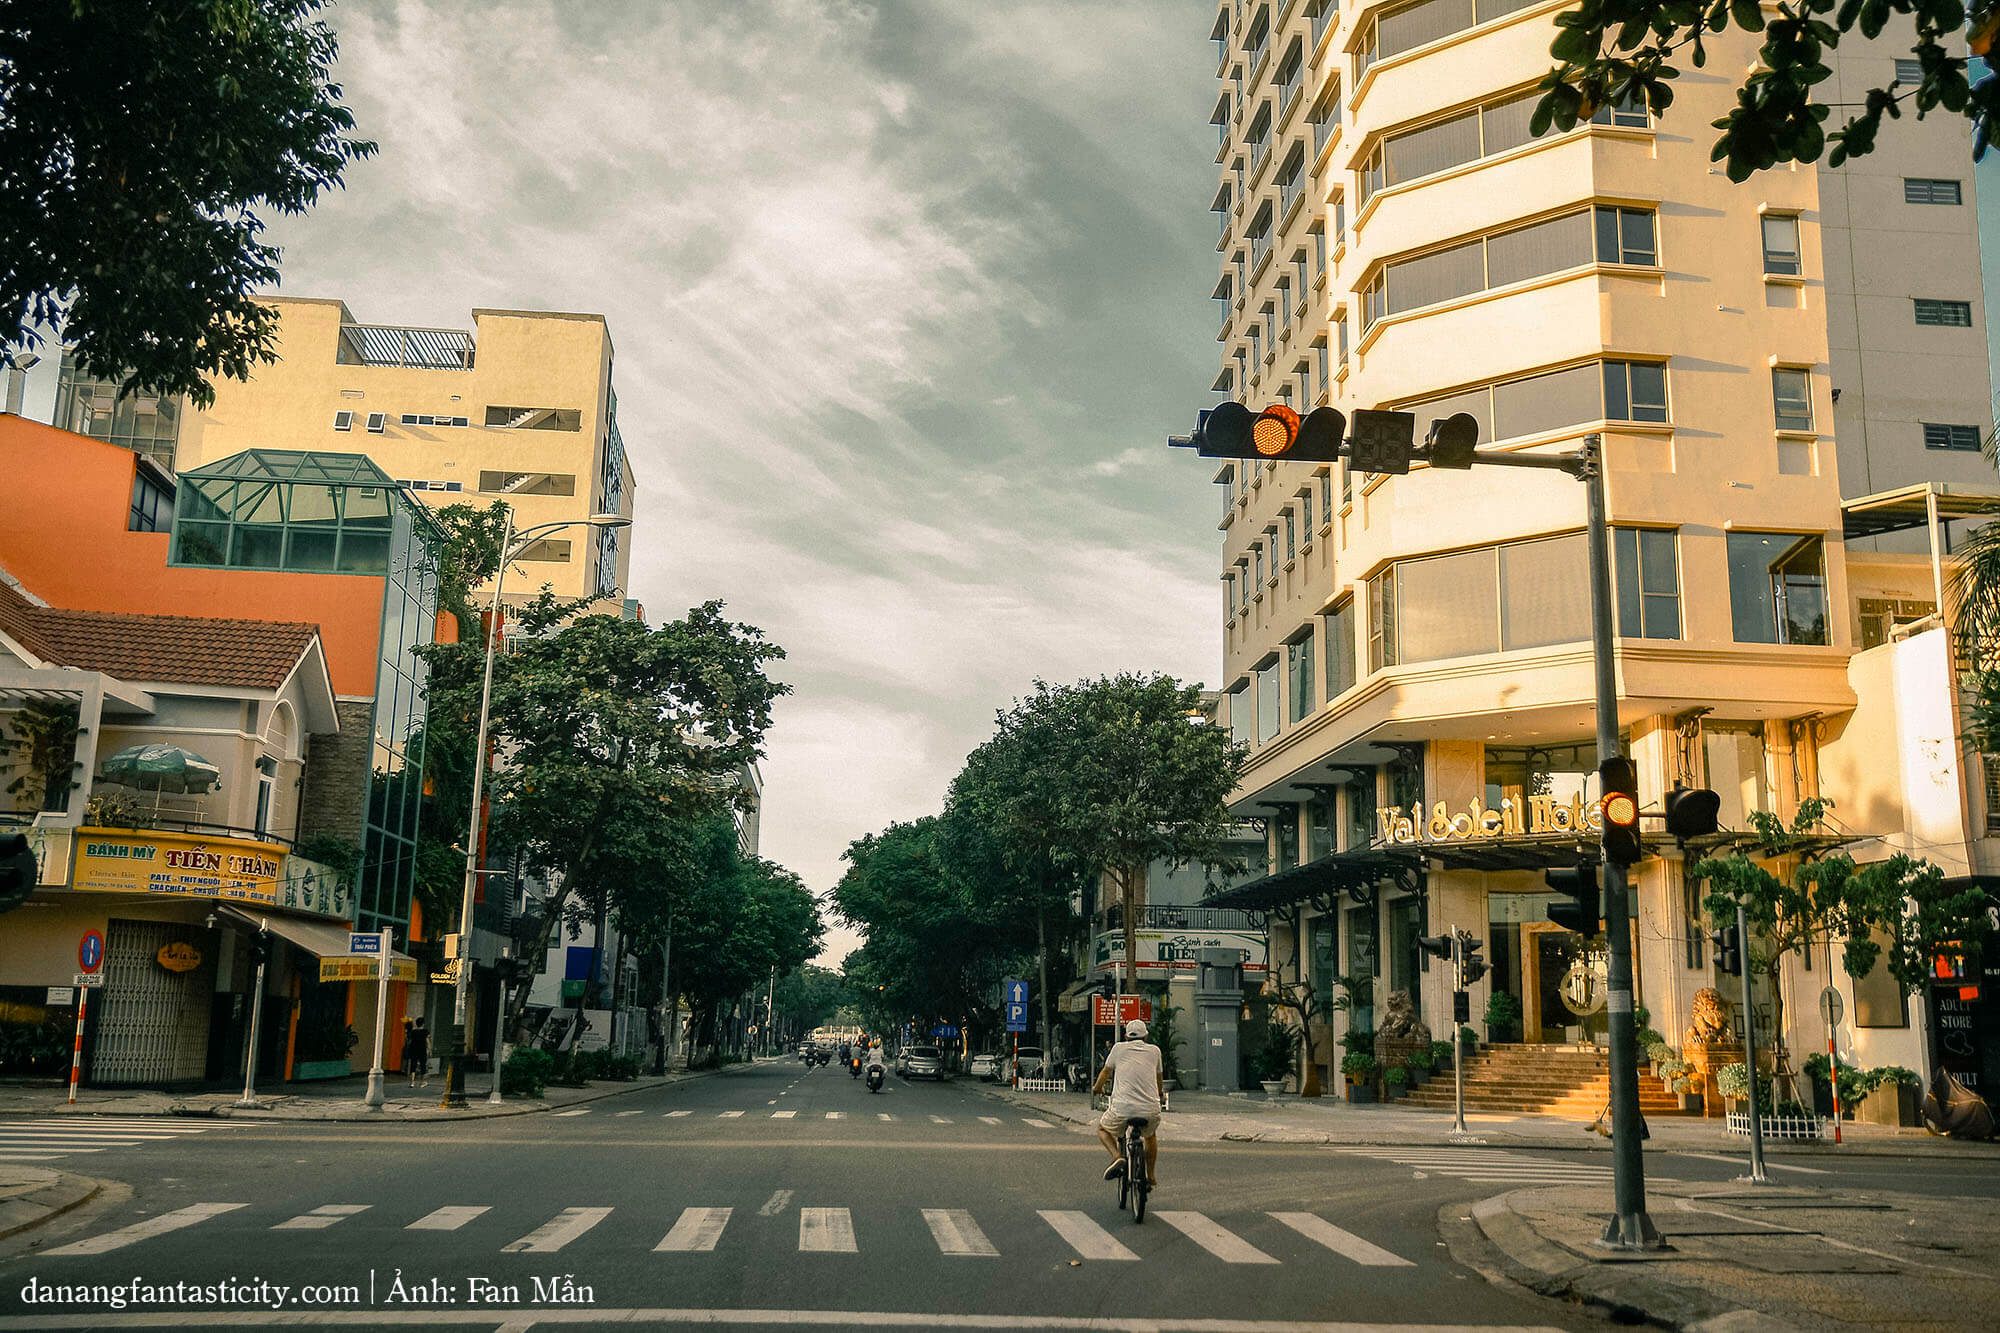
x=1539, y=1080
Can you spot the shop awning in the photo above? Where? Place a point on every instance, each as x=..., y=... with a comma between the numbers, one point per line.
x=1354, y=874
x=327, y=942
x=1075, y=997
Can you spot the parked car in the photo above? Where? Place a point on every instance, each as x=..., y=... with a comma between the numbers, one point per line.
x=924, y=1062
x=985, y=1066
x=1024, y=1063
x=903, y=1062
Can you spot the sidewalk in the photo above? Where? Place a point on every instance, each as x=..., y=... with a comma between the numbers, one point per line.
x=32, y=1195
x=1747, y=1258
x=1255, y=1118
x=334, y=1099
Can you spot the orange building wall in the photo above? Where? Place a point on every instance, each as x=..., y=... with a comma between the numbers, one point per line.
x=64, y=503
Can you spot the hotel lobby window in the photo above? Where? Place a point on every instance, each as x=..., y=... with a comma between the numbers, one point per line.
x=1516, y=773
x=1777, y=588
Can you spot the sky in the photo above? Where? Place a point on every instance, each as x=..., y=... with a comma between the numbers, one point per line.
x=905, y=296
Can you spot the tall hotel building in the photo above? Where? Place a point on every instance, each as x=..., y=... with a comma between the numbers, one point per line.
x=1791, y=381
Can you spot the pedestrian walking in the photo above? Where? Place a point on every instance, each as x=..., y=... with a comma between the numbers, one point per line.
x=417, y=1053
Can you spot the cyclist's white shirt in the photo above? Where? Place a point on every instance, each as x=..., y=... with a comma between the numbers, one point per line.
x=1135, y=1079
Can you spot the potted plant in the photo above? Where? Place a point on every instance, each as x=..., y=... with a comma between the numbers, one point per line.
x=1359, y=1069
x=1166, y=1036
x=1468, y=1041
x=1503, y=1014
x=1274, y=1061
x=1419, y=1063
x=1440, y=1055
x=1394, y=1080
x=1894, y=1099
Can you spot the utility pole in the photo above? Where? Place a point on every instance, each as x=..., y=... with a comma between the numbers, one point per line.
x=1457, y=1049
x=1756, y=1176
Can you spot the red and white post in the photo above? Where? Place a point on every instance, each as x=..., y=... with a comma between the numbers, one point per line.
x=76, y=1051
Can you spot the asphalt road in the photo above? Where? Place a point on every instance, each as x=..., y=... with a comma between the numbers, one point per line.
x=781, y=1190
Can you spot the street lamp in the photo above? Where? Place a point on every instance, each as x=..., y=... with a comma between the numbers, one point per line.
x=512, y=543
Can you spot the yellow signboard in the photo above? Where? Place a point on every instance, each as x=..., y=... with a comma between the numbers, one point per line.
x=363, y=969
x=184, y=865
x=1534, y=815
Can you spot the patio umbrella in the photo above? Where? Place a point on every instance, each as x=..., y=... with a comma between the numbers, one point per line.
x=162, y=768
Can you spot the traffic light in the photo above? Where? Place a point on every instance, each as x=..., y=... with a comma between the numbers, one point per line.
x=1277, y=433
x=260, y=948
x=1582, y=914
x=1618, y=782
x=1728, y=944
x=1471, y=967
x=1383, y=441
x=1451, y=442
x=18, y=871
x=1691, y=814
x=1437, y=946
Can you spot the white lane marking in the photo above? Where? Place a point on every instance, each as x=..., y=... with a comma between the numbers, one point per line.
x=884, y=1115
x=672, y=1114
x=626, y=1113
x=989, y=1120
x=1345, y=1243
x=1089, y=1240
x=44, y=1140
x=729, y=1115
x=584, y=1110
x=34, y=1156
x=697, y=1229
x=322, y=1217
x=62, y=1147
x=783, y=1115
x=557, y=1232
x=1745, y=1164
x=940, y=1120
x=449, y=1218
x=956, y=1233
x=775, y=1204
x=826, y=1231
x=1038, y=1124
x=1223, y=1244
x=836, y=1115
x=152, y=1226
x=772, y=1102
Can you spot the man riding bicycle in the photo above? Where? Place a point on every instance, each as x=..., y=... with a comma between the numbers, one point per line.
x=1133, y=1074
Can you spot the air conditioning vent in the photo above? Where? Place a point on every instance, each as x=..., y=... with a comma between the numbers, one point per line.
x=343, y=421
x=377, y=421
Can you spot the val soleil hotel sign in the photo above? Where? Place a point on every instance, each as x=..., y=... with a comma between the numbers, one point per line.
x=1527, y=817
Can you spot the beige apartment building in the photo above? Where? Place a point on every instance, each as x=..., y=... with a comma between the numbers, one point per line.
x=521, y=408
x=1790, y=379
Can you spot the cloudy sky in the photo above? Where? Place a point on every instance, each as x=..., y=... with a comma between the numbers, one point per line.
x=906, y=297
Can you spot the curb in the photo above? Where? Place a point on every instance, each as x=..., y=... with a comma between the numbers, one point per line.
x=27, y=1211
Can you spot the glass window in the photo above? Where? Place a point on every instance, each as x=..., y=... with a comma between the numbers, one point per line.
x=1444, y=606
x=1781, y=244
x=1306, y=512
x=1545, y=247
x=1544, y=592
x=1777, y=588
x=1299, y=675
x=1649, y=586
x=1242, y=721
x=1944, y=314
x=1340, y=650
x=1625, y=236
x=1546, y=402
x=1406, y=923
x=1285, y=824
x=1319, y=827
x=1635, y=391
x=1910, y=71
x=1431, y=148
x=1630, y=113
x=1504, y=125
x=1325, y=955
x=1291, y=535
x=1358, y=795
x=1929, y=190
x=1363, y=965
x=1400, y=30
x=1382, y=620
x=1269, y=690
x=1791, y=398
x=1429, y=279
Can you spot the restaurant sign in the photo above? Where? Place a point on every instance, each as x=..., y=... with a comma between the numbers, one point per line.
x=1523, y=818
x=187, y=865
x=1178, y=950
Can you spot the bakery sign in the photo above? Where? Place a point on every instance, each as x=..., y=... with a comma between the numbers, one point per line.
x=1523, y=818
x=181, y=865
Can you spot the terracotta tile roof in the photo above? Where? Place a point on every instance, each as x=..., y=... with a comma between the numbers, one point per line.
x=184, y=650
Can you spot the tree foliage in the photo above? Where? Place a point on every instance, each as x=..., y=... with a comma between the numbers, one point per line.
x=1613, y=52
x=142, y=144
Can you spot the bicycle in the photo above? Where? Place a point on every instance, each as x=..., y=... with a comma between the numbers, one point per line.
x=1132, y=1181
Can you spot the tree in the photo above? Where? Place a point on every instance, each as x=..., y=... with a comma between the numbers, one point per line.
x=1622, y=51
x=608, y=728
x=808, y=997
x=142, y=144
x=45, y=737
x=1134, y=774
x=467, y=557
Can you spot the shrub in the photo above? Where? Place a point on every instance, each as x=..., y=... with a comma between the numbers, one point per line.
x=1358, y=1039
x=1502, y=1010
x=1422, y=1060
x=526, y=1073
x=1395, y=1076
x=622, y=1068
x=1440, y=1053
x=1275, y=1059
x=1358, y=1067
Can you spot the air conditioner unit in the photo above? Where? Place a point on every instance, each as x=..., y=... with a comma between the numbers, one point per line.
x=377, y=421
x=343, y=421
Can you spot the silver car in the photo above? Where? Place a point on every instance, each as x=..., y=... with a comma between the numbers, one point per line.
x=924, y=1062
x=984, y=1066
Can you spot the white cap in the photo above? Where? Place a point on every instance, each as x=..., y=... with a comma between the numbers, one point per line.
x=1135, y=1029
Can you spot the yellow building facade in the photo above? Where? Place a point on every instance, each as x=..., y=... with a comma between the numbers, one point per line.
x=1763, y=362
x=520, y=409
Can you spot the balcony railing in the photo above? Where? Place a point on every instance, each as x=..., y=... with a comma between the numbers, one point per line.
x=1321, y=17
x=1290, y=89
x=1158, y=916
x=1288, y=190
x=420, y=349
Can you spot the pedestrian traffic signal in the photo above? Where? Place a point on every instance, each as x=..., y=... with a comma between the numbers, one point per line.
x=1471, y=967
x=1277, y=433
x=1383, y=441
x=18, y=871
x=1582, y=913
x=1728, y=944
x=1437, y=946
x=1451, y=442
x=1691, y=813
x=1618, y=783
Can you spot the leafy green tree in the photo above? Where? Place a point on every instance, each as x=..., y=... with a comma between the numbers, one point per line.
x=142, y=145
x=45, y=736
x=808, y=997
x=1616, y=51
x=1134, y=774
x=606, y=727
x=468, y=557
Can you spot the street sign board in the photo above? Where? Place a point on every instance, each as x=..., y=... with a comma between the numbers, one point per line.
x=61, y=995
x=1014, y=992
x=573, y=988
x=87, y=979
x=1128, y=1008
x=90, y=951
x=366, y=969
x=1831, y=1007
x=1017, y=1017
x=365, y=942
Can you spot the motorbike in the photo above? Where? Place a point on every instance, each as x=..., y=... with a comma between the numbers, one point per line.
x=874, y=1078
x=854, y=1067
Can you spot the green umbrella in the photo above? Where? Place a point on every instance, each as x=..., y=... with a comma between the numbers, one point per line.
x=162, y=768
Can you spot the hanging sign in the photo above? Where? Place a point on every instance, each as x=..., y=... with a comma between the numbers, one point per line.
x=1103, y=1013
x=366, y=969
x=180, y=956
x=1527, y=817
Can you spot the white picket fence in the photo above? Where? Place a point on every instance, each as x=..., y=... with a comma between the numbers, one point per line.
x=1042, y=1085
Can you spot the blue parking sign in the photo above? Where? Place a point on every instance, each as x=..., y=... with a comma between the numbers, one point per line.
x=1017, y=1017
x=1014, y=992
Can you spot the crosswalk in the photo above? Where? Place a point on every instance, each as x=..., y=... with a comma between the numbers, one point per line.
x=1492, y=1165
x=1184, y=1236
x=52, y=1138
x=803, y=1117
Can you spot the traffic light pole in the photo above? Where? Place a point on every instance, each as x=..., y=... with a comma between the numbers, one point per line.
x=1756, y=1176
x=1457, y=1046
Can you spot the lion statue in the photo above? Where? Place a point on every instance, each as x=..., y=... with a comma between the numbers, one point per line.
x=1711, y=1018
x=1400, y=1021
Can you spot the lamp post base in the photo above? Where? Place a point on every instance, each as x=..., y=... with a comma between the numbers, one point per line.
x=1630, y=1231
x=377, y=1095
x=454, y=1072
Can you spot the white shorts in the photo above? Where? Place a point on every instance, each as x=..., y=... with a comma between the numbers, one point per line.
x=1114, y=1120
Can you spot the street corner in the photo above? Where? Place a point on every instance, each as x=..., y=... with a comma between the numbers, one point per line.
x=32, y=1196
